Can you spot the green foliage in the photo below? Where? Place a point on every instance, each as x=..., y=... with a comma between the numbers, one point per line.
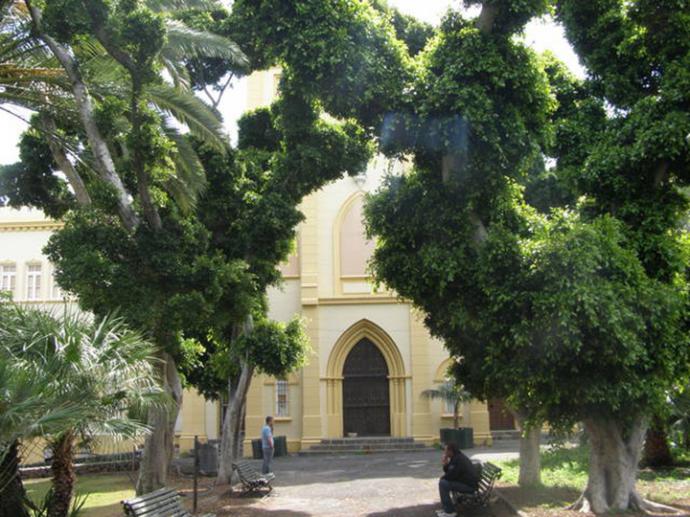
x=273, y=348
x=65, y=373
x=568, y=313
x=345, y=53
x=32, y=182
x=415, y=33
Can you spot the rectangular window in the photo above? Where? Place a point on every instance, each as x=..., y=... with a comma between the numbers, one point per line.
x=448, y=407
x=8, y=277
x=282, y=399
x=33, y=282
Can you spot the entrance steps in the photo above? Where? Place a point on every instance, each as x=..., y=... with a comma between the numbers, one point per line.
x=509, y=435
x=364, y=445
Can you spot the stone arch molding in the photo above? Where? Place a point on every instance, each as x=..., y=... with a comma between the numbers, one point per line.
x=334, y=375
x=442, y=370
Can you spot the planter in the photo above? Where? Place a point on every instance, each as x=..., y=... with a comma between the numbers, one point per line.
x=462, y=437
x=279, y=447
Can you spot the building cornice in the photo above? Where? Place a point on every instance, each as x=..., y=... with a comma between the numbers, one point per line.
x=30, y=226
x=360, y=300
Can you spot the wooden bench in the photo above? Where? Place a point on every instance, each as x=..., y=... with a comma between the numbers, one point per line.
x=488, y=476
x=252, y=481
x=164, y=502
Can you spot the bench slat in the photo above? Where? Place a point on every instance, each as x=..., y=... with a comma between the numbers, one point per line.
x=159, y=507
x=158, y=494
x=162, y=496
x=164, y=502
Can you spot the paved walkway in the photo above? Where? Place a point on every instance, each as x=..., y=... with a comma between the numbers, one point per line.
x=372, y=485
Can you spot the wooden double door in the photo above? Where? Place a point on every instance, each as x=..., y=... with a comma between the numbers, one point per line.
x=500, y=417
x=366, y=392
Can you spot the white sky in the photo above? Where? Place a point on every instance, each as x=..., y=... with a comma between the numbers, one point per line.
x=540, y=34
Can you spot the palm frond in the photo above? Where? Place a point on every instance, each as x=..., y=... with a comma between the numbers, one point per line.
x=178, y=73
x=201, y=120
x=185, y=42
x=190, y=178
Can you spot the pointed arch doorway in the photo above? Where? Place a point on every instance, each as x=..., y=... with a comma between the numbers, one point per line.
x=366, y=394
x=366, y=334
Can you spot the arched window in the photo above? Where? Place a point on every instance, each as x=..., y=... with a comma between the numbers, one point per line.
x=355, y=248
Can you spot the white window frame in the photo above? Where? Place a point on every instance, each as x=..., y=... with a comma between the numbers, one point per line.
x=8, y=278
x=33, y=281
x=448, y=407
x=282, y=387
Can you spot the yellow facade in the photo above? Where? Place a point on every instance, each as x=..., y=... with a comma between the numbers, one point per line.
x=341, y=307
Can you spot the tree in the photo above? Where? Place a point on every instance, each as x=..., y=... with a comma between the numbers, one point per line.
x=285, y=152
x=138, y=172
x=553, y=307
x=451, y=393
x=363, y=70
x=84, y=379
x=201, y=278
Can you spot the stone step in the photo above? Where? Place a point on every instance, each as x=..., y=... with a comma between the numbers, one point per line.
x=364, y=445
x=365, y=440
x=356, y=447
x=333, y=451
x=505, y=435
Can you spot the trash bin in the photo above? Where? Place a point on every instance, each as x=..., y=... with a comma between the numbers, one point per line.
x=257, y=453
x=462, y=437
x=280, y=446
x=466, y=438
x=208, y=458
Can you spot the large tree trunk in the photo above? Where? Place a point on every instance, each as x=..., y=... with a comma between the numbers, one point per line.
x=232, y=423
x=656, y=450
x=530, y=458
x=12, y=493
x=159, y=447
x=615, y=450
x=63, y=476
x=237, y=398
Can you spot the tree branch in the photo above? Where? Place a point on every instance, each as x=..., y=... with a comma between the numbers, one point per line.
x=48, y=125
x=148, y=206
x=102, y=157
x=485, y=22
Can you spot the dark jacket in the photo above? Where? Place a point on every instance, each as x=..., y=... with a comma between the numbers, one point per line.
x=460, y=468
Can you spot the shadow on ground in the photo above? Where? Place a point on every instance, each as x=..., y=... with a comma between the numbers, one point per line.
x=544, y=496
x=496, y=509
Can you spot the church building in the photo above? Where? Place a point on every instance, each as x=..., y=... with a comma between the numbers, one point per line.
x=372, y=356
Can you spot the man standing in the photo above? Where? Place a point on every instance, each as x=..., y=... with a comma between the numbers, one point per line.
x=460, y=475
x=267, y=445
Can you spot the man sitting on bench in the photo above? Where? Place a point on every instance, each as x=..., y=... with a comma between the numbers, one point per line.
x=459, y=476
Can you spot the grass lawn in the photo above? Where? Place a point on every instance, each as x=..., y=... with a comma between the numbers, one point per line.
x=564, y=476
x=105, y=491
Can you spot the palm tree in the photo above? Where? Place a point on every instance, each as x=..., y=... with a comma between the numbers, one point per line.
x=31, y=77
x=85, y=377
x=449, y=393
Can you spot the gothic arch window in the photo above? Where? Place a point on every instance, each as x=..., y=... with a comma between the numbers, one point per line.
x=355, y=249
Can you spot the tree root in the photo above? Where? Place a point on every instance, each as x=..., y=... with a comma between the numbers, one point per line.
x=647, y=506
x=637, y=502
x=582, y=505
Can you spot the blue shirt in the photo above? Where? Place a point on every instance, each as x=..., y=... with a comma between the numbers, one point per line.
x=266, y=437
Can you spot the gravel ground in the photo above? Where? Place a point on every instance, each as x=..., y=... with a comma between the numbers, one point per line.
x=372, y=485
